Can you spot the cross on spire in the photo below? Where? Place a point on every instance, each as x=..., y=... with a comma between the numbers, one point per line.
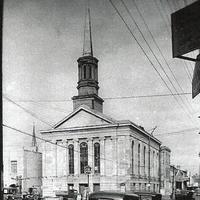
x=87, y=43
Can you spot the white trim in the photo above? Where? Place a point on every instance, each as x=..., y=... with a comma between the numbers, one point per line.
x=78, y=110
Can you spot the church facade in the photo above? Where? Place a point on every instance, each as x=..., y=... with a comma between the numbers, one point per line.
x=120, y=155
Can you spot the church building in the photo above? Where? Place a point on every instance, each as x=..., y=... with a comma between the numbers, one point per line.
x=93, y=150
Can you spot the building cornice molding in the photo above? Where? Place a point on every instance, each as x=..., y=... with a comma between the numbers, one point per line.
x=96, y=127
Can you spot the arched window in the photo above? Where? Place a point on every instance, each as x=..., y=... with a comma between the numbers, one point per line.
x=71, y=159
x=138, y=159
x=97, y=157
x=144, y=159
x=132, y=156
x=83, y=156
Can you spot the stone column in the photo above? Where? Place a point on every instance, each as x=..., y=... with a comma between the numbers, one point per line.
x=102, y=156
x=90, y=152
x=66, y=171
x=76, y=157
x=55, y=158
x=115, y=156
x=90, y=161
x=44, y=158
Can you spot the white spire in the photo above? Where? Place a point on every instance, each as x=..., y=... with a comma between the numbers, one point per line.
x=87, y=43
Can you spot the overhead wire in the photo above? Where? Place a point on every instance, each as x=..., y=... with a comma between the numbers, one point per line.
x=186, y=68
x=49, y=141
x=146, y=53
x=102, y=157
x=156, y=44
x=26, y=110
x=190, y=69
x=108, y=98
x=163, y=18
x=178, y=132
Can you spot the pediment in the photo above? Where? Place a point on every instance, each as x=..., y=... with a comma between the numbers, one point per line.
x=83, y=117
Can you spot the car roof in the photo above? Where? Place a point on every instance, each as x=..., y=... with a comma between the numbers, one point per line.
x=111, y=194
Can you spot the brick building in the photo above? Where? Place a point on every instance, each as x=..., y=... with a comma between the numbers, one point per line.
x=121, y=154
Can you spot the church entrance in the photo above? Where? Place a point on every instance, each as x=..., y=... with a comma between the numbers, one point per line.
x=83, y=190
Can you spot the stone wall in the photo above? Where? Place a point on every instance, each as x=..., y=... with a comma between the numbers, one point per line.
x=115, y=165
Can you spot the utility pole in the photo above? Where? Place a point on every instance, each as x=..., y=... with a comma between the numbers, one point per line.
x=149, y=163
x=87, y=171
x=199, y=168
x=173, y=178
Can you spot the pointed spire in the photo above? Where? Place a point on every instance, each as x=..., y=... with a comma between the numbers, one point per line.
x=87, y=44
x=34, y=143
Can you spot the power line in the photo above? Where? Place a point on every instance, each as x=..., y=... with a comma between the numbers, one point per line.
x=162, y=16
x=108, y=98
x=65, y=147
x=26, y=110
x=185, y=64
x=48, y=106
x=178, y=132
x=135, y=4
x=144, y=50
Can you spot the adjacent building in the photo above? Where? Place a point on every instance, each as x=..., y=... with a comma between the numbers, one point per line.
x=120, y=155
x=165, y=176
x=23, y=166
x=179, y=178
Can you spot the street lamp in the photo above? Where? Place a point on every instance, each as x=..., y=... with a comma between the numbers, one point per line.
x=87, y=171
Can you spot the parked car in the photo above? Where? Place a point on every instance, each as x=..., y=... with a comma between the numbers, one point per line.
x=11, y=193
x=109, y=195
x=149, y=195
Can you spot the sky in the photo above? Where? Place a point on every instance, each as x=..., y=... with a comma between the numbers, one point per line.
x=42, y=40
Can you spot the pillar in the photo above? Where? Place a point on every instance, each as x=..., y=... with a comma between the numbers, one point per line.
x=76, y=157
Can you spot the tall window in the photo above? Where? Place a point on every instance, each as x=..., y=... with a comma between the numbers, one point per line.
x=138, y=159
x=83, y=156
x=84, y=71
x=132, y=156
x=71, y=159
x=14, y=166
x=90, y=71
x=144, y=159
x=97, y=158
x=153, y=164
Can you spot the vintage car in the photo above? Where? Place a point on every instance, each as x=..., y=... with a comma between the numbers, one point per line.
x=109, y=195
x=149, y=195
x=11, y=193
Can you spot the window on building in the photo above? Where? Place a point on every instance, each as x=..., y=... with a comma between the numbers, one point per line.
x=70, y=187
x=144, y=158
x=138, y=159
x=90, y=71
x=132, y=156
x=83, y=156
x=14, y=166
x=71, y=159
x=153, y=167
x=97, y=157
x=84, y=72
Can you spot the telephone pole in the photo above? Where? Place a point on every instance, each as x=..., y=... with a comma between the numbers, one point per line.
x=149, y=163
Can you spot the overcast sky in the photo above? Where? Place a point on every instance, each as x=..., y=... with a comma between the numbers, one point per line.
x=42, y=40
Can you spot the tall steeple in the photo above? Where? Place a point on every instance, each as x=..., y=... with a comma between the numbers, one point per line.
x=34, y=143
x=88, y=72
x=87, y=43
